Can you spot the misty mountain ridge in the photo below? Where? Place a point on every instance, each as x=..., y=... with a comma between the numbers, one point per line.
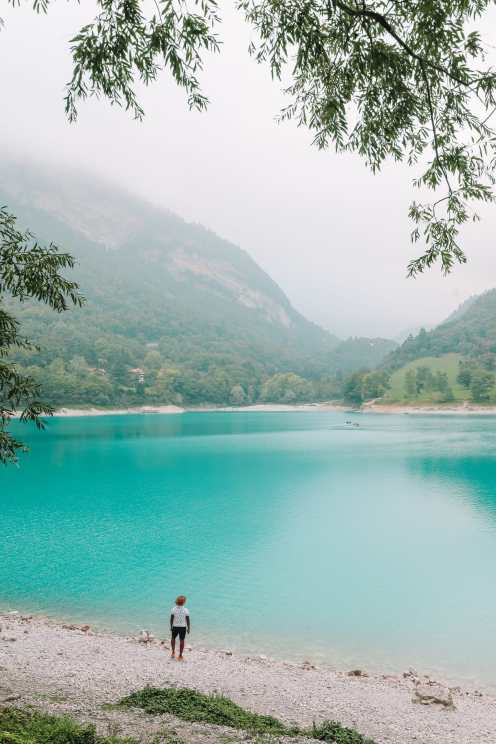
x=462, y=308
x=117, y=221
x=470, y=331
x=174, y=313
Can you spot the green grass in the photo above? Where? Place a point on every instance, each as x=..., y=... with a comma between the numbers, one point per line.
x=190, y=705
x=194, y=706
x=331, y=731
x=29, y=727
x=446, y=363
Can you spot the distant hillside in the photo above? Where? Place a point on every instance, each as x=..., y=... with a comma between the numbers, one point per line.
x=360, y=353
x=174, y=313
x=469, y=331
x=454, y=362
x=407, y=332
x=412, y=384
x=138, y=260
x=462, y=308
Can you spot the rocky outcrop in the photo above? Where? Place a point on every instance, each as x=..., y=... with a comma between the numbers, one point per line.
x=433, y=694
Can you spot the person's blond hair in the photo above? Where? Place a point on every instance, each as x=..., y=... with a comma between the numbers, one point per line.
x=181, y=600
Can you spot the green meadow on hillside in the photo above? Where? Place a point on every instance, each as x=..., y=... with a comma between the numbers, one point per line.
x=447, y=363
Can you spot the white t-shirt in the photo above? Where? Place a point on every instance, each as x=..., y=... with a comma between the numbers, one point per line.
x=180, y=613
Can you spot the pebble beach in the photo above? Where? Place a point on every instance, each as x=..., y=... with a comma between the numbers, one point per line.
x=70, y=669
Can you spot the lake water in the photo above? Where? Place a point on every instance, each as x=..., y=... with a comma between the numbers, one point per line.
x=291, y=533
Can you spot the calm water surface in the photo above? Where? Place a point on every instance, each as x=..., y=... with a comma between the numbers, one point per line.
x=291, y=533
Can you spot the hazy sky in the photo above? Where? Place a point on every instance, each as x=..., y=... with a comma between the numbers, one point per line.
x=333, y=236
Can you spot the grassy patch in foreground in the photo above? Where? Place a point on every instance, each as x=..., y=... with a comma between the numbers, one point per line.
x=190, y=705
x=195, y=706
x=29, y=727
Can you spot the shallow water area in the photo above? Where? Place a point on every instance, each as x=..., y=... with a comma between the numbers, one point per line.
x=293, y=534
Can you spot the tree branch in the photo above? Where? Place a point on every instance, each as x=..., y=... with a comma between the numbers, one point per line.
x=433, y=125
x=382, y=21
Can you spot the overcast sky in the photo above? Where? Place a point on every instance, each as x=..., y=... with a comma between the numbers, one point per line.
x=334, y=237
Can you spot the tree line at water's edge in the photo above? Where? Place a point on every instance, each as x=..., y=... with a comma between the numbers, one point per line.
x=454, y=362
x=115, y=376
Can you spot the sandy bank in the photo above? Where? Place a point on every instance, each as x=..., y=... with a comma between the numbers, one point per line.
x=263, y=407
x=116, y=411
x=463, y=409
x=65, y=669
x=275, y=407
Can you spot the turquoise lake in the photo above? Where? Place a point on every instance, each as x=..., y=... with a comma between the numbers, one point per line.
x=292, y=534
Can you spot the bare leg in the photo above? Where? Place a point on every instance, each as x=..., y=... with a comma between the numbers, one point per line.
x=181, y=648
x=173, y=647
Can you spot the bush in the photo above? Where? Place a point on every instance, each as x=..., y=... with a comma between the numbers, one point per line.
x=333, y=732
x=28, y=727
x=191, y=705
x=195, y=706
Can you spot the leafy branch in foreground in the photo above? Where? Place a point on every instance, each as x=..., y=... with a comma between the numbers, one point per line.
x=393, y=78
x=122, y=43
x=406, y=79
x=27, y=271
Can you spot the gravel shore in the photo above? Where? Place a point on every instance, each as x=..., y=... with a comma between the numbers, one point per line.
x=69, y=668
x=459, y=409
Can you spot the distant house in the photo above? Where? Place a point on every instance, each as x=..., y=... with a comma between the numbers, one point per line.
x=98, y=371
x=139, y=374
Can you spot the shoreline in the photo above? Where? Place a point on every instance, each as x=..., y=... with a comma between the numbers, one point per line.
x=69, y=668
x=463, y=409
x=94, y=411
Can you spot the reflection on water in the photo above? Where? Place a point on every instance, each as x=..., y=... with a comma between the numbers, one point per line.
x=372, y=545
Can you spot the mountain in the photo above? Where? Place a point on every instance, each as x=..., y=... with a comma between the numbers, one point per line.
x=166, y=299
x=173, y=313
x=360, y=353
x=470, y=331
x=411, y=331
x=462, y=308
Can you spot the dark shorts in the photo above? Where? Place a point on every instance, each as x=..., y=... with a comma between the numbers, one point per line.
x=181, y=632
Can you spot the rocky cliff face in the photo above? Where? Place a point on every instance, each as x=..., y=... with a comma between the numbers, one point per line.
x=149, y=274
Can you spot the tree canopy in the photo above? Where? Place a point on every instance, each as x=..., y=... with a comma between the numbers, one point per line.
x=27, y=270
x=401, y=79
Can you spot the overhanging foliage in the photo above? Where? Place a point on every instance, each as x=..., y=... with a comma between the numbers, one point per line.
x=27, y=270
x=401, y=79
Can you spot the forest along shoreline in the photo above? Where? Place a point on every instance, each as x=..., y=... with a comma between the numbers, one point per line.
x=65, y=668
x=370, y=407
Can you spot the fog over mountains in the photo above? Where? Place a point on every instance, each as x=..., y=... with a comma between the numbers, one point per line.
x=194, y=312
x=177, y=269
x=176, y=314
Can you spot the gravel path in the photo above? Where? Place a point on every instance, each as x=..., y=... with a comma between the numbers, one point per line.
x=65, y=668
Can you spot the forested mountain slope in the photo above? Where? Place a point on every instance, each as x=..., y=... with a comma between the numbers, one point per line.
x=469, y=331
x=454, y=362
x=360, y=353
x=174, y=313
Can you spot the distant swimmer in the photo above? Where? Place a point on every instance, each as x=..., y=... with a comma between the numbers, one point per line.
x=179, y=625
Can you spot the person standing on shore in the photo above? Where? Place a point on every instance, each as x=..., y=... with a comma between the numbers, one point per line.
x=179, y=625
